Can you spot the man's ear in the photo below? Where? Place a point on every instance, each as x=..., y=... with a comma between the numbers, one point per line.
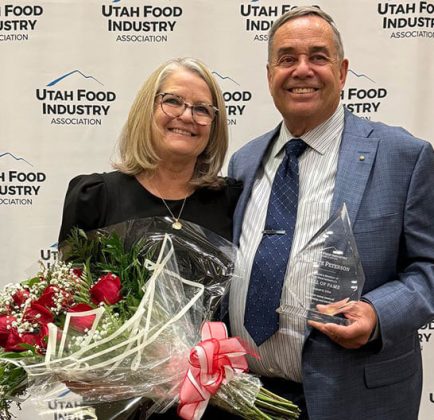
x=268, y=73
x=343, y=72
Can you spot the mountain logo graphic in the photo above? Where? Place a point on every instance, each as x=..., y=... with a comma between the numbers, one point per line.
x=225, y=77
x=361, y=75
x=59, y=79
x=2, y=155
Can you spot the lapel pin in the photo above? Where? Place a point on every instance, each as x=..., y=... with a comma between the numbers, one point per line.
x=362, y=158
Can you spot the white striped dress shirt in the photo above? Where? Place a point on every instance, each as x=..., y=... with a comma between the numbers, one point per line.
x=280, y=355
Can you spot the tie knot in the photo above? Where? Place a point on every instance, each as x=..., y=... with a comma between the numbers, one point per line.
x=295, y=147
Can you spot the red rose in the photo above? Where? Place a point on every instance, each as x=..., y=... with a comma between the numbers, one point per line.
x=81, y=323
x=5, y=322
x=36, y=313
x=51, y=294
x=13, y=341
x=107, y=289
x=20, y=296
x=77, y=271
x=37, y=338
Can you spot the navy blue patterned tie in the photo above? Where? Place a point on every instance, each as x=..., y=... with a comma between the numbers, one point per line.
x=269, y=266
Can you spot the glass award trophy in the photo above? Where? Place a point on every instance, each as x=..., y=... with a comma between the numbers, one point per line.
x=327, y=271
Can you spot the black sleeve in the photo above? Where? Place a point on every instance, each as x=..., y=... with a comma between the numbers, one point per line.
x=85, y=204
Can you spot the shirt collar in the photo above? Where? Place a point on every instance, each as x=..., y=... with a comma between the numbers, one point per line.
x=319, y=138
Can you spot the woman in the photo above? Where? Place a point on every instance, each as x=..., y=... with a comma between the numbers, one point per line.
x=171, y=151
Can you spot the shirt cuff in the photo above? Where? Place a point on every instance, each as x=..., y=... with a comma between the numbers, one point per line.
x=376, y=331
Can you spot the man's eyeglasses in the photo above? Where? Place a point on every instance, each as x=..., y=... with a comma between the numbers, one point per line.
x=174, y=106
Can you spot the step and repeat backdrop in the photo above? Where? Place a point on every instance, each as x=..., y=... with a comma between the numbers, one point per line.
x=70, y=70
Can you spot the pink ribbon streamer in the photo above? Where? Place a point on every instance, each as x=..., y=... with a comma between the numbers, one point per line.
x=213, y=361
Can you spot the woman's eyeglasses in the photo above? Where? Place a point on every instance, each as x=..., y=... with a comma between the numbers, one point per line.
x=174, y=106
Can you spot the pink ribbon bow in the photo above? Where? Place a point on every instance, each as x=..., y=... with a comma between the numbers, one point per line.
x=213, y=361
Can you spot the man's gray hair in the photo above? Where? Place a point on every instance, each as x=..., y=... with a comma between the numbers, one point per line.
x=306, y=11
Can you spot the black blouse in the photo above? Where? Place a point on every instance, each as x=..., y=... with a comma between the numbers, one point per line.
x=99, y=200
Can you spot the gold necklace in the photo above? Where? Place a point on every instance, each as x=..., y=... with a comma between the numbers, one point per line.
x=176, y=224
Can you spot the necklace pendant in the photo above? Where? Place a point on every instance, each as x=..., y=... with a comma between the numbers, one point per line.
x=177, y=225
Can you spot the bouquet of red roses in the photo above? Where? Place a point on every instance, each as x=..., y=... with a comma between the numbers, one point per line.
x=122, y=317
x=28, y=310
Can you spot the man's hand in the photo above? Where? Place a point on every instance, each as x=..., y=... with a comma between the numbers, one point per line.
x=363, y=322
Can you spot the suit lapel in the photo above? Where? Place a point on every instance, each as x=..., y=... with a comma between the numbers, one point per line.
x=356, y=158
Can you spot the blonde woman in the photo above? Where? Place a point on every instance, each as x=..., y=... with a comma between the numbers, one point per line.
x=172, y=149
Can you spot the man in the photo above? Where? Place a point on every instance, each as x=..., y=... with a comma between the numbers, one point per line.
x=370, y=369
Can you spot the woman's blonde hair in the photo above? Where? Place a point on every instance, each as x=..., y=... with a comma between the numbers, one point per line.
x=136, y=144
